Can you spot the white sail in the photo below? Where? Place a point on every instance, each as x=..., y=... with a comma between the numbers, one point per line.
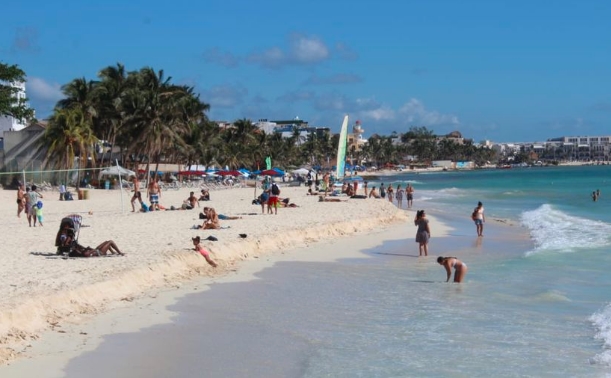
x=341, y=150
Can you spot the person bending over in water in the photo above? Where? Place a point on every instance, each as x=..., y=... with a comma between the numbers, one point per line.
x=200, y=248
x=460, y=268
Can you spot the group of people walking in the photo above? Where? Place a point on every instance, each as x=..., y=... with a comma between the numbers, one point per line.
x=399, y=194
x=29, y=202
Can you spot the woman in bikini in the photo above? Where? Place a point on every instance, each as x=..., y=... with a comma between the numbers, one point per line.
x=200, y=248
x=20, y=200
x=212, y=219
x=460, y=268
x=107, y=247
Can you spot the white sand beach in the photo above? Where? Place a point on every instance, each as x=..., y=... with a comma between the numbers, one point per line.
x=43, y=292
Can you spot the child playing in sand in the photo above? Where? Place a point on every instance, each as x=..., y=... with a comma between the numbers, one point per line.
x=200, y=248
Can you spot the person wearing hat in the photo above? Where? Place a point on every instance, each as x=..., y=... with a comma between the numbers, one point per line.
x=200, y=248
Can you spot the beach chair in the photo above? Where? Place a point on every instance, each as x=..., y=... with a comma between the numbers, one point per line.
x=67, y=236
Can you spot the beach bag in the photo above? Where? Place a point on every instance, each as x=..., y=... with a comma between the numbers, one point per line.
x=275, y=189
x=474, y=214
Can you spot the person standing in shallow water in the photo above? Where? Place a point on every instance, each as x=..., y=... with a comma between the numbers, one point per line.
x=409, y=191
x=399, y=195
x=460, y=268
x=479, y=219
x=424, y=232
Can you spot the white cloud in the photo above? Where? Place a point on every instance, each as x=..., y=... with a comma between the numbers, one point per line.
x=414, y=112
x=224, y=96
x=38, y=89
x=307, y=50
x=383, y=113
x=271, y=58
x=301, y=50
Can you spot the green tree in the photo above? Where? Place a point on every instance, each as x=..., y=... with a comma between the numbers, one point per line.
x=9, y=104
x=69, y=135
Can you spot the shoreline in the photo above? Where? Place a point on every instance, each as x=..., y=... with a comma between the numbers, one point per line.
x=68, y=292
x=59, y=346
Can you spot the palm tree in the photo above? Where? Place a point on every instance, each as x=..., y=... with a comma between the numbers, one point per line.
x=153, y=125
x=69, y=135
x=108, y=98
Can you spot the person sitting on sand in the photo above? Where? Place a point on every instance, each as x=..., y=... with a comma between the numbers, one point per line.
x=212, y=219
x=373, y=193
x=105, y=248
x=190, y=202
x=200, y=248
x=349, y=190
x=205, y=196
x=460, y=268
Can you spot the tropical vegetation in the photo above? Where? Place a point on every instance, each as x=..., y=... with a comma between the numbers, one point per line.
x=149, y=119
x=10, y=105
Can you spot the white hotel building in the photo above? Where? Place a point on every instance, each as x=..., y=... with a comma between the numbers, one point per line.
x=10, y=123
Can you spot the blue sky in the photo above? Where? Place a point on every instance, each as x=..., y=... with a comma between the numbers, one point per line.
x=498, y=70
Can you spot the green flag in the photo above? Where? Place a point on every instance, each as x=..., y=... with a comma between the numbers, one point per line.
x=268, y=162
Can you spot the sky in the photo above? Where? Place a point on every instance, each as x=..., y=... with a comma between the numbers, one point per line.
x=504, y=71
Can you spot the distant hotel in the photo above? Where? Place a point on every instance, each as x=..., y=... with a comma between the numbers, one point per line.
x=581, y=148
x=10, y=123
x=287, y=129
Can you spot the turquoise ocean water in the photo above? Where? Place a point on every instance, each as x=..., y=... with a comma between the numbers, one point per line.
x=533, y=306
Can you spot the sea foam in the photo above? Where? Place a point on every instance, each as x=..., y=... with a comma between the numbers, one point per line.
x=552, y=230
x=602, y=321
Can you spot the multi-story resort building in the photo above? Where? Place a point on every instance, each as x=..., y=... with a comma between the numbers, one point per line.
x=567, y=148
x=10, y=123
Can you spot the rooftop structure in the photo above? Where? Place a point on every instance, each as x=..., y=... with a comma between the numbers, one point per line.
x=11, y=123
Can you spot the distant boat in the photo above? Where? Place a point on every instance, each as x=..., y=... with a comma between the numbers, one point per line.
x=341, y=151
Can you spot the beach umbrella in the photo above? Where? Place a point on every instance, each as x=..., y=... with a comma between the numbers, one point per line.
x=301, y=171
x=272, y=172
x=117, y=171
x=229, y=173
x=192, y=173
x=245, y=172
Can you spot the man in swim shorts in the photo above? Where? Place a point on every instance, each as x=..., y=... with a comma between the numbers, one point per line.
x=154, y=194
